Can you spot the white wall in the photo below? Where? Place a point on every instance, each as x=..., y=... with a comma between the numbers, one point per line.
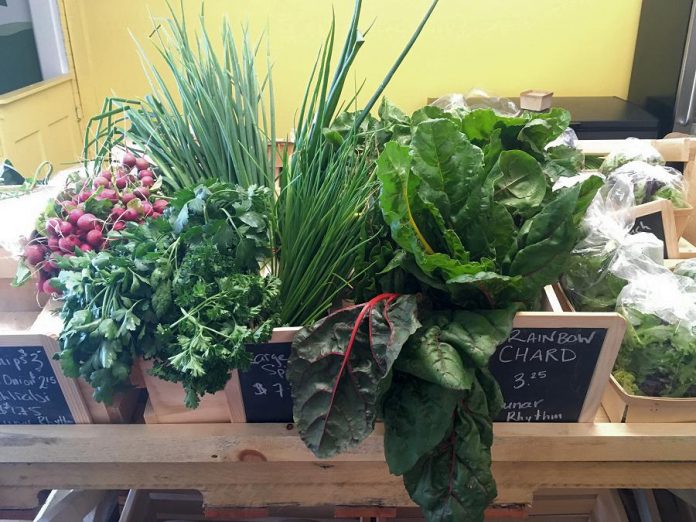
x=15, y=11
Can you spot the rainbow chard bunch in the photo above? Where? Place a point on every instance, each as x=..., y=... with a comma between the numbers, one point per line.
x=475, y=233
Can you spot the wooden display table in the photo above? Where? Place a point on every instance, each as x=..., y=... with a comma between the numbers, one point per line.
x=245, y=465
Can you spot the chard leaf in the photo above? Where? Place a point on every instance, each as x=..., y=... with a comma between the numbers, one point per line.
x=519, y=182
x=477, y=334
x=336, y=368
x=445, y=161
x=453, y=482
x=417, y=416
x=426, y=356
x=547, y=241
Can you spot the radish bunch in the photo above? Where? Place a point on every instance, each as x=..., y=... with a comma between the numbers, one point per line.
x=82, y=216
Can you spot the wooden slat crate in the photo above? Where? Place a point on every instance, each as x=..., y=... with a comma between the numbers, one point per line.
x=673, y=150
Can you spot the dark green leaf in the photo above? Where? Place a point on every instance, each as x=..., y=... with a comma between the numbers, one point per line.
x=336, y=368
x=417, y=416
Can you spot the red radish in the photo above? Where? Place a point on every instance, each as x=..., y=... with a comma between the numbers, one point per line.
x=147, y=208
x=142, y=193
x=118, y=226
x=34, y=254
x=129, y=160
x=53, y=226
x=53, y=243
x=75, y=214
x=108, y=194
x=121, y=183
x=100, y=181
x=155, y=215
x=87, y=222
x=68, y=244
x=95, y=237
x=51, y=265
x=86, y=247
x=129, y=215
x=106, y=174
x=147, y=181
x=127, y=198
x=146, y=172
x=160, y=204
x=116, y=212
x=84, y=196
x=142, y=164
x=47, y=287
x=65, y=228
x=69, y=206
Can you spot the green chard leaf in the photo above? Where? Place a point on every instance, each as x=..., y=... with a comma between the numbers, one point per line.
x=336, y=368
x=417, y=416
x=453, y=481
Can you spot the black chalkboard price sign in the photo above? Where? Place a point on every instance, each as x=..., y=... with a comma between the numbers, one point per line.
x=657, y=218
x=651, y=224
x=30, y=392
x=553, y=367
x=265, y=388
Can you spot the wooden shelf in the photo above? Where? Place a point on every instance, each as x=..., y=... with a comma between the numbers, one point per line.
x=264, y=465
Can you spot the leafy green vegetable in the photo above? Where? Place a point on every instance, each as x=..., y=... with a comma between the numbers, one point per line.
x=337, y=368
x=475, y=227
x=657, y=358
x=631, y=149
x=590, y=283
x=185, y=291
x=107, y=311
x=327, y=183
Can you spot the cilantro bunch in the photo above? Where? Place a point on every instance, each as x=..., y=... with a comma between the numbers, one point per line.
x=184, y=290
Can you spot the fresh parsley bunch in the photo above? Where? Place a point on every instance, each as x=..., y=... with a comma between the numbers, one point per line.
x=184, y=290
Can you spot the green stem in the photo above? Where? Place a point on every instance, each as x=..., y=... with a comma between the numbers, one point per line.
x=395, y=67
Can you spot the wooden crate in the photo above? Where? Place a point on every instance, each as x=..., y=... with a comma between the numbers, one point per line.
x=624, y=407
x=673, y=150
x=25, y=314
x=166, y=399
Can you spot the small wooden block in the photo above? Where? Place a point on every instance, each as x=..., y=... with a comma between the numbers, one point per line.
x=365, y=512
x=536, y=100
x=215, y=513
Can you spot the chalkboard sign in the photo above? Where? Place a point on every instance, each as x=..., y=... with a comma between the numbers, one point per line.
x=554, y=367
x=652, y=224
x=30, y=392
x=265, y=388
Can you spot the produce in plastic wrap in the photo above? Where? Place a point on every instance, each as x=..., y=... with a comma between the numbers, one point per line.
x=652, y=182
x=609, y=256
x=477, y=99
x=686, y=269
x=658, y=355
x=632, y=149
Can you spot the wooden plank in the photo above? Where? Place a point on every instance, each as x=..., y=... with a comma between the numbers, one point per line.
x=216, y=443
x=674, y=149
x=358, y=484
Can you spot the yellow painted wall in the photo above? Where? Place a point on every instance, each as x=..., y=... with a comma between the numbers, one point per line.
x=573, y=47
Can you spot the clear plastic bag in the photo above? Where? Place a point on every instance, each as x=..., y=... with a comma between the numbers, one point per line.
x=658, y=355
x=609, y=256
x=652, y=182
x=686, y=269
x=631, y=149
x=477, y=99
x=567, y=139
